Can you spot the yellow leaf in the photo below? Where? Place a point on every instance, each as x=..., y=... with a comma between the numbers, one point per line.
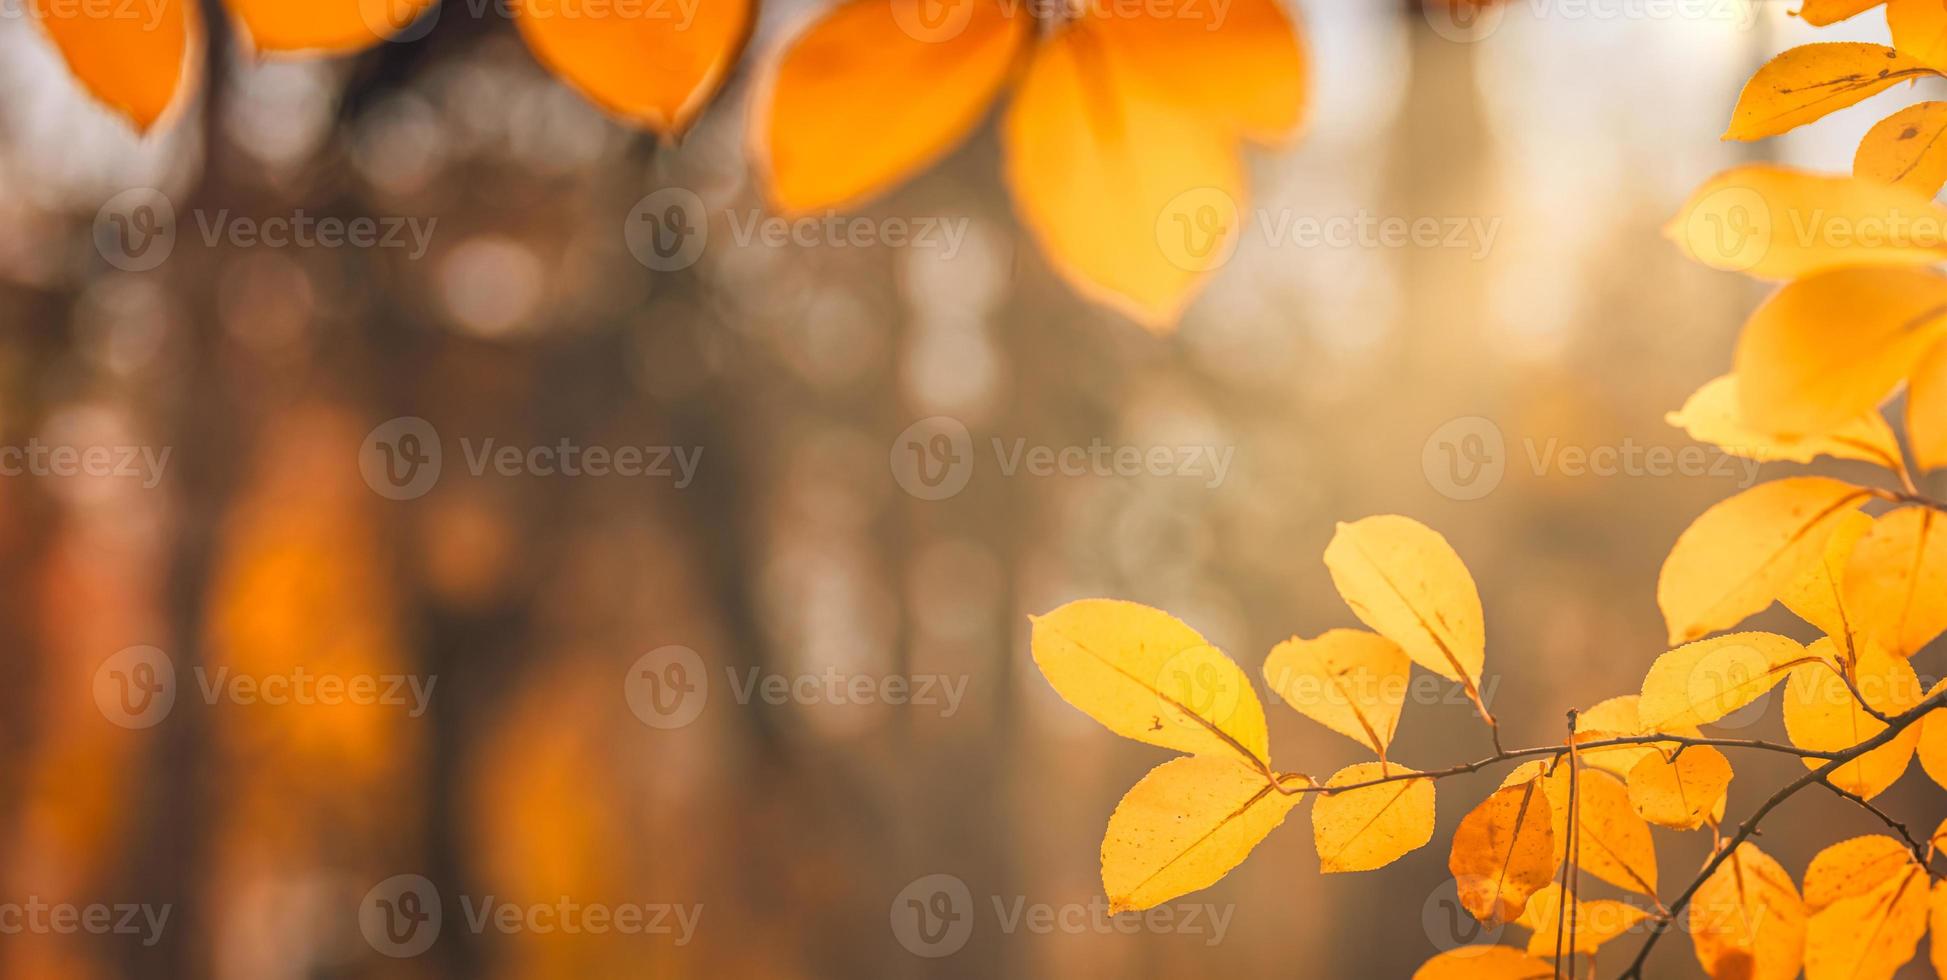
x=655, y=65
x=1819, y=13
x=1897, y=577
x=1700, y=682
x=1621, y=715
x=1853, y=867
x=1713, y=415
x=1829, y=348
x=1926, y=409
x=1484, y=963
x=1350, y=681
x=829, y=134
x=1371, y=827
x=1682, y=793
x=1404, y=580
x=334, y=26
x=1746, y=920
x=1134, y=199
x=1919, y=29
x=1818, y=596
x=1736, y=558
x=1147, y=676
x=1868, y=936
x=1807, y=82
x=1937, y=920
x=1184, y=826
x=1778, y=223
x=1907, y=148
x=1503, y=851
x=1594, y=922
x=1245, y=66
x=1821, y=714
x=1612, y=842
x=138, y=66
x=1932, y=748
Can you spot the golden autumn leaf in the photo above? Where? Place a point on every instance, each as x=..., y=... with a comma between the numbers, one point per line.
x=1932, y=748
x=1245, y=68
x=1713, y=415
x=1184, y=826
x=1822, y=714
x=1775, y=222
x=1147, y=676
x=1134, y=200
x=1937, y=921
x=1700, y=682
x=655, y=65
x=1926, y=408
x=1404, y=580
x=1810, y=81
x=1818, y=596
x=1819, y=13
x=1798, y=374
x=1484, y=963
x=1866, y=933
x=1853, y=867
x=333, y=26
x=1747, y=919
x=1680, y=793
x=826, y=132
x=1350, y=681
x=1503, y=852
x=1742, y=552
x=1373, y=826
x=1919, y=29
x=1896, y=580
x=1594, y=922
x=1611, y=841
x=138, y=60
x=1907, y=148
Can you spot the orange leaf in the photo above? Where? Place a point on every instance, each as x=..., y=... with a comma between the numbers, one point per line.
x=654, y=64
x=1812, y=80
x=1135, y=200
x=828, y=132
x=324, y=25
x=1819, y=13
x=1926, y=408
x=1245, y=67
x=137, y=59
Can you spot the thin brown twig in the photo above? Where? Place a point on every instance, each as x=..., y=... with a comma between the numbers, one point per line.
x=1913, y=844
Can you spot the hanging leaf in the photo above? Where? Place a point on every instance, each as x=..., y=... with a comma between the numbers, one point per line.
x=1819, y=13
x=830, y=137
x=1926, y=409
x=1869, y=924
x=1404, y=580
x=1612, y=842
x=1778, y=223
x=138, y=66
x=1621, y=716
x=1808, y=82
x=1907, y=149
x=1932, y=747
x=1821, y=714
x=655, y=65
x=1919, y=30
x=1700, y=682
x=1484, y=963
x=1373, y=826
x=1747, y=920
x=1680, y=792
x=1350, y=681
x=1147, y=676
x=329, y=26
x=1503, y=851
x=1713, y=415
x=1818, y=596
x=1184, y=826
x=1896, y=578
x=1594, y=922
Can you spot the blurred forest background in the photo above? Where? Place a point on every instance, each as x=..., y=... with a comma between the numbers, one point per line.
x=1329, y=372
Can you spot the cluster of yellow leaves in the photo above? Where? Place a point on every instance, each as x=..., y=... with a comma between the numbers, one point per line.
x=1120, y=141
x=640, y=61
x=1148, y=676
